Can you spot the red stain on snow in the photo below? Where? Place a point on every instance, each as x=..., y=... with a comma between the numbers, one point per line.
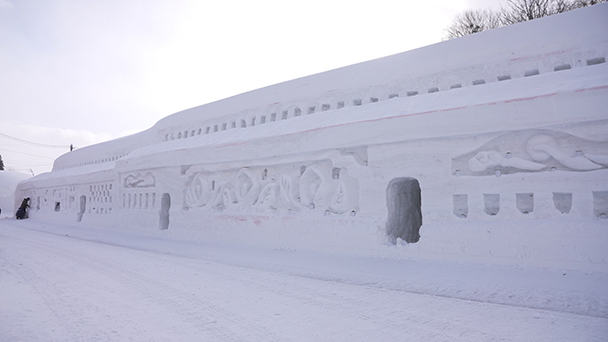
x=234, y=218
x=237, y=143
x=592, y=88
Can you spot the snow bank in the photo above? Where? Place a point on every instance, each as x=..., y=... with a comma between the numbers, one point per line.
x=505, y=128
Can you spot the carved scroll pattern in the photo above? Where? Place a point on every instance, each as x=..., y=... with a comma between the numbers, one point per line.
x=140, y=181
x=290, y=189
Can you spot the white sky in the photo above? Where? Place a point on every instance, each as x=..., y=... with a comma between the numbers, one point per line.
x=85, y=71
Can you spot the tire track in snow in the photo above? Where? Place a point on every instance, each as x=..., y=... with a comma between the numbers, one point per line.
x=557, y=300
x=366, y=306
x=55, y=300
x=230, y=303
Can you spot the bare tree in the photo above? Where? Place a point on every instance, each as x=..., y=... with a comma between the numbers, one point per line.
x=469, y=22
x=518, y=11
x=515, y=11
x=585, y=3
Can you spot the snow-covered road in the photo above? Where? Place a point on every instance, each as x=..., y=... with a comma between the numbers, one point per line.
x=59, y=283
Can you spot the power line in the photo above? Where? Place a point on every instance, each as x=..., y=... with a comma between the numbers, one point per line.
x=17, y=169
x=13, y=165
x=28, y=154
x=31, y=142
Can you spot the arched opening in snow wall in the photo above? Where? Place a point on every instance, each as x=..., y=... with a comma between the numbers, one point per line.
x=403, y=199
x=82, y=208
x=165, y=205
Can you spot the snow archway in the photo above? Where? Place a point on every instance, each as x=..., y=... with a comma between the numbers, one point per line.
x=403, y=198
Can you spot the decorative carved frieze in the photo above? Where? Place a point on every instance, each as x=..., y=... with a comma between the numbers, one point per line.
x=289, y=188
x=532, y=151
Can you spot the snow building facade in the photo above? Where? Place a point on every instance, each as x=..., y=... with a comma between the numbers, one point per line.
x=508, y=124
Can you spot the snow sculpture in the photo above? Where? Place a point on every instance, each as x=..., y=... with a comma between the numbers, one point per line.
x=198, y=192
x=543, y=147
x=489, y=159
x=259, y=160
x=269, y=197
x=345, y=197
x=288, y=193
x=223, y=196
x=139, y=181
x=288, y=187
x=315, y=189
x=247, y=188
x=533, y=151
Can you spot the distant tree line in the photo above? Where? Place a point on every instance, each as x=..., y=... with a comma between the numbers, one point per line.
x=515, y=11
x=1, y=164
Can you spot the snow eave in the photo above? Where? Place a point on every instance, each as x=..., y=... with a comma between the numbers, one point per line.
x=75, y=175
x=526, y=44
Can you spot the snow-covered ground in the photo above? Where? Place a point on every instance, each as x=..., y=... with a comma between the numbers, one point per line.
x=74, y=283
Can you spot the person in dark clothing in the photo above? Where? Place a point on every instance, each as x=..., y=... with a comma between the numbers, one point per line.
x=22, y=211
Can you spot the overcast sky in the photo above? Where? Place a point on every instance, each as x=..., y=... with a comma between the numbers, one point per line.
x=85, y=71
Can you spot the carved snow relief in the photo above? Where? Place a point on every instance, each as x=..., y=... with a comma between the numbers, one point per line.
x=532, y=151
x=289, y=188
x=199, y=192
x=140, y=181
x=137, y=191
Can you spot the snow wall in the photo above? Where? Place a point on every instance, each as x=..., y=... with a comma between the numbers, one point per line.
x=501, y=136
